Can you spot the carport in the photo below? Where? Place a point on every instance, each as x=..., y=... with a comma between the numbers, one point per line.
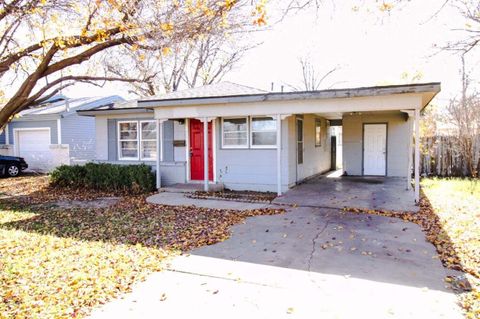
x=367, y=192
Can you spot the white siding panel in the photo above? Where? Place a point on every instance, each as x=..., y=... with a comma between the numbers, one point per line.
x=79, y=133
x=101, y=142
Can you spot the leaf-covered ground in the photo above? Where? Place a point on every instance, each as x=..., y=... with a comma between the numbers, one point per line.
x=57, y=262
x=450, y=217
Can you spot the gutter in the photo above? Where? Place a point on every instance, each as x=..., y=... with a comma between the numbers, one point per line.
x=129, y=110
x=433, y=87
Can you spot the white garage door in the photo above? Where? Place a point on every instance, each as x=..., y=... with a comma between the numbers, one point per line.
x=34, y=146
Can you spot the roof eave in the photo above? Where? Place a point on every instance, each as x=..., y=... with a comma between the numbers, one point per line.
x=422, y=88
x=114, y=111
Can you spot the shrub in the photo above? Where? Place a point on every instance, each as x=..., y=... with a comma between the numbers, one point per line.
x=108, y=177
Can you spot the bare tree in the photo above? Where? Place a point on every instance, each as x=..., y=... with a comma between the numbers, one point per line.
x=192, y=63
x=312, y=79
x=42, y=43
x=464, y=114
x=470, y=10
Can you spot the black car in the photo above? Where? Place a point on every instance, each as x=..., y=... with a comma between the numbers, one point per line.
x=11, y=165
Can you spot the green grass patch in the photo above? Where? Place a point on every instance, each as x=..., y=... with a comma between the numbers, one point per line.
x=457, y=204
x=45, y=276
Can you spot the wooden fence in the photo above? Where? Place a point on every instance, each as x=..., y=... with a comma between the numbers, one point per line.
x=441, y=156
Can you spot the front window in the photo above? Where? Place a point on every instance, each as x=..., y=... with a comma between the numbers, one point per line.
x=128, y=137
x=134, y=145
x=235, y=132
x=263, y=132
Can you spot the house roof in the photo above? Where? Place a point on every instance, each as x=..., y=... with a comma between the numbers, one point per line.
x=433, y=87
x=211, y=90
x=63, y=106
x=227, y=92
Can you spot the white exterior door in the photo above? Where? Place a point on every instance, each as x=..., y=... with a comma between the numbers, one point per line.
x=375, y=149
x=34, y=146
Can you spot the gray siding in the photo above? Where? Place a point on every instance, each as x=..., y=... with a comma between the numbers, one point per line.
x=2, y=138
x=398, y=137
x=168, y=151
x=79, y=133
x=112, y=140
x=52, y=124
x=251, y=169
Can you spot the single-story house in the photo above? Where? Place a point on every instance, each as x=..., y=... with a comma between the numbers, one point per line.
x=263, y=141
x=52, y=133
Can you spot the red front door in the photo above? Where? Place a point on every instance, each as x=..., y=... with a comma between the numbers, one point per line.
x=196, y=151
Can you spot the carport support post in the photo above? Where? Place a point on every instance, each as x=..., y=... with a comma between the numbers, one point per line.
x=279, y=154
x=417, y=155
x=159, y=151
x=205, y=153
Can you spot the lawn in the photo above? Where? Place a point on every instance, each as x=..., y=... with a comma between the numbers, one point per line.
x=61, y=262
x=456, y=202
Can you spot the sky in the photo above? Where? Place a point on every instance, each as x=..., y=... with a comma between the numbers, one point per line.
x=369, y=48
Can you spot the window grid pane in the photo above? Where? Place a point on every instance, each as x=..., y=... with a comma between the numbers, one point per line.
x=129, y=149
x=128, y=131
x=264, y=131
x=149, y=130
x=235, y=132
x=149, y=150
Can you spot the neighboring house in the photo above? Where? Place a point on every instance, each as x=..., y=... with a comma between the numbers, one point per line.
x=260, y=140
x=52, y=133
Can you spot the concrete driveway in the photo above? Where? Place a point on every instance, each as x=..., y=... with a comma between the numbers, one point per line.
x=307, y=263
x=379, y=193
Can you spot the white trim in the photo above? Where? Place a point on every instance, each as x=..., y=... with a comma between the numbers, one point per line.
x=410, y=154
x=59, y=131
x=279, y=155
x=139, y=141
x=15, y=137
x=417, y=155
x=273, y=146
x=214, y=151
x=7, y=135
x=247, y=131
x=119, y=143
x=206, y=163
x=392, y=102
x=158, y=177
x=187, y=149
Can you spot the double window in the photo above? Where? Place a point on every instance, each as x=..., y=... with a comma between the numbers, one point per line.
x=137, y=140
x=253, y=132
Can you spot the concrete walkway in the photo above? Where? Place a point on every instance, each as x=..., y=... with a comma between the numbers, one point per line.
x=179, y=199
x=307, y=263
